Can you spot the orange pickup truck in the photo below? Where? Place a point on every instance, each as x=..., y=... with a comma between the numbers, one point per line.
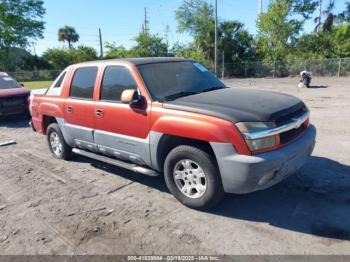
x=171, y=116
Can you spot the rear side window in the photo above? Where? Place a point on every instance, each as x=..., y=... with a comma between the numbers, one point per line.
x=116, y=79
x=83, y=83
x=60, y=80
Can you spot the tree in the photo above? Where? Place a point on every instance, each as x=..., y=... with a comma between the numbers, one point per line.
x=196, y=17
x=279, y=27
x=60, y=58
x=148, y=45
x=318, y=19
x=189, y=51
x=69, y=35
x=345, y=15
x=236, y=42
x=20, y=23
x=325, y=44
x=330, y=16
x=116, y=51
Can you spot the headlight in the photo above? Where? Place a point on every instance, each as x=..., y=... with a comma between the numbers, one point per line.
x=260, y=143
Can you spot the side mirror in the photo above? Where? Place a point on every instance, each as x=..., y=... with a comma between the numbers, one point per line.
x=131, y=97
x=22, y=85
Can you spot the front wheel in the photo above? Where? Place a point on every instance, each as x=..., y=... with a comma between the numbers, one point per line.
x=192, y=177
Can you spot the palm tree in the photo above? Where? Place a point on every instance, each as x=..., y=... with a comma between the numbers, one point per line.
x=68, y=34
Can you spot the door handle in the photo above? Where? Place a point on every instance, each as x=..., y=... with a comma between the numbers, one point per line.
x=69, y=109
x=99, y=113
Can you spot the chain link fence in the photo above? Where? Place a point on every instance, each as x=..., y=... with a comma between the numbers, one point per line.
x=40, y=75
x=323, y=67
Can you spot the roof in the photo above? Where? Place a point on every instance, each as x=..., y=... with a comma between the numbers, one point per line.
x=140, y=61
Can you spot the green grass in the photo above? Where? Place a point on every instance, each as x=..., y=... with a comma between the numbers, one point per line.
x=37, y=84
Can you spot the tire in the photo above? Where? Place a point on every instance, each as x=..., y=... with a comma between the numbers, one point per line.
x=58, y=146
x=194, y=181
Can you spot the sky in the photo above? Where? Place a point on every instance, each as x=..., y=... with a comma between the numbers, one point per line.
x=121, y=20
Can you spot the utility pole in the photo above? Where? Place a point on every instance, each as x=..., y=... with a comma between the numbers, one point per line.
x=260, y=6
x=216, y=39
x=145, y=22
x=101, y=46
x=167, y=30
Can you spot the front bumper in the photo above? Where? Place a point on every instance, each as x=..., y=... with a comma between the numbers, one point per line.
x=244, y=174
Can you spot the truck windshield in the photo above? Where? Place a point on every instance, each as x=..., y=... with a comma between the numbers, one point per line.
x=171, y=80
x=7, y=82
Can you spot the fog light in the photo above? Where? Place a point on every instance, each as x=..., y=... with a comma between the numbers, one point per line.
x=267, y=178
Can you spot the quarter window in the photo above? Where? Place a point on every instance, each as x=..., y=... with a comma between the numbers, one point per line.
x=60, y=80
x=116, y=79
x=83, y=83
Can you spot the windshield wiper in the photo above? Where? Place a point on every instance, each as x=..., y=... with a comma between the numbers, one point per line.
x=180, y=94
x=213, y=88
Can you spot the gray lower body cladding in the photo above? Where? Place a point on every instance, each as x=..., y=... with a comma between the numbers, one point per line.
x=127, y=148
x=239, y=173
x=244, y=174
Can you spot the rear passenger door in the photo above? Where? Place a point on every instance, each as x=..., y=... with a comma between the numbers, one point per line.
x=121, y=130
x=80, y=108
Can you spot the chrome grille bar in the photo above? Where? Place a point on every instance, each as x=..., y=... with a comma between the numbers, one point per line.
x=294, y=123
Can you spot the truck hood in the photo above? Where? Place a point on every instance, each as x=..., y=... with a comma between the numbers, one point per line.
x=13, y=92
x=239, y=105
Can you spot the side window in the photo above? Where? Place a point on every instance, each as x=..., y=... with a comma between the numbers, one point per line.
x=56, y=87
x=83, y=83
x=60, y=80
x=116, y=79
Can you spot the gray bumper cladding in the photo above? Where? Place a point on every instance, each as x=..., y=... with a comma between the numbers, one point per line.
x=244, y=174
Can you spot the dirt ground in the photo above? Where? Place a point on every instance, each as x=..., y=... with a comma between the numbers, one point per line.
x=49, y=206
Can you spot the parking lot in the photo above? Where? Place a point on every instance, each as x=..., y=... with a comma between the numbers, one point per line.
x=49, y=206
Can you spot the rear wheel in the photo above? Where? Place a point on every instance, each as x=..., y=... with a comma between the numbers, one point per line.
x=193, y=178
x=58, y=146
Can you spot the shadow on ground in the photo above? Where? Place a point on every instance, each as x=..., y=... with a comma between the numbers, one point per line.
x=315, y=201
x=18, y=121
x=315, y=87
x=153, y=182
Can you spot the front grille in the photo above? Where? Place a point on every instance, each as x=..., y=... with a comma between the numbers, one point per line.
x=290, y=135
x=12, y=101
x=288, y=117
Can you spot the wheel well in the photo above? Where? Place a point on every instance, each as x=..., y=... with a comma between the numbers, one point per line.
x=48, y=120
x=168, y=143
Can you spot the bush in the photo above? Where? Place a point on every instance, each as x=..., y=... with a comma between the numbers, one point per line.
x=60, y=58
